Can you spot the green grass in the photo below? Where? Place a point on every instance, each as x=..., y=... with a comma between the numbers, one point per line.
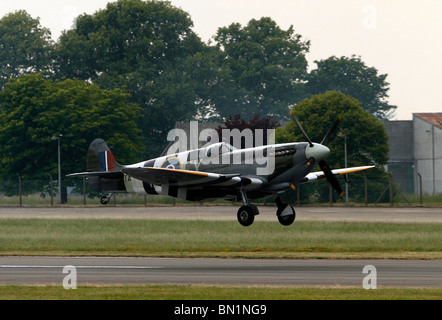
x=201, y=292
x=112, y=237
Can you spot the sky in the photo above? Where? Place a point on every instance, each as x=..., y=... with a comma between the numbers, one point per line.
x=400, y=38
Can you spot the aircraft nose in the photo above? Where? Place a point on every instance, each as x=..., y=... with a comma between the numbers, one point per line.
x=317, y=151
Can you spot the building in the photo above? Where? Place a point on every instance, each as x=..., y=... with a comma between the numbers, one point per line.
x=416, y=151
x=428, y=150
x=401, y=162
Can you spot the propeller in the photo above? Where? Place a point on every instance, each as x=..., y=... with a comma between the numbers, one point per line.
x=332, y=129
x=330, y=177
x=294, y=118
x=322, y=163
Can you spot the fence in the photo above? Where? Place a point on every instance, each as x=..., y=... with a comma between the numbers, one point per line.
x=361, y=191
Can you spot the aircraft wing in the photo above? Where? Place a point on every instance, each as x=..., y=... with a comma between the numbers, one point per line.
x=182, y=178
x=337, y=172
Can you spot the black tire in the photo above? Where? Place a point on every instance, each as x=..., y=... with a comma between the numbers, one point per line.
x=104, y=200
x=285, y=220
x=246, y=215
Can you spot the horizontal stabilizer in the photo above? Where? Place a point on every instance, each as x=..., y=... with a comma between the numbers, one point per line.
x=102, y=174
x=100, y=162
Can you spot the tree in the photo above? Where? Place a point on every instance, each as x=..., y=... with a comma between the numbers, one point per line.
x=263, y=68
x=34, y=110
x=352, y=77
x=367, y=141
x=143, y=46
x=256, y=122
x=25, y=46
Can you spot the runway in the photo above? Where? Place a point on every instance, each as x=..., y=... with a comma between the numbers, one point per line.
x=228, y=213
x=244, y=272
x=239, y=272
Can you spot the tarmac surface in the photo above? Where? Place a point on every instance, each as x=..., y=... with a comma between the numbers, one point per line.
x=212, y=271
x=267, y=213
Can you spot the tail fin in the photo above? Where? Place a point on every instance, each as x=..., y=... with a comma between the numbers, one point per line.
x=103, y=172
x=100, y=157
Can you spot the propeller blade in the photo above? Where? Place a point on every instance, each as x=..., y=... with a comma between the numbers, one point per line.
x=292, y=114
x=330, y=177
x=332, y=129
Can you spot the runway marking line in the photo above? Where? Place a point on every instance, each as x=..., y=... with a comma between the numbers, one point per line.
x=79, y=267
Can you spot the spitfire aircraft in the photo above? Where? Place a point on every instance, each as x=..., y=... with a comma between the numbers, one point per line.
x=188, y=175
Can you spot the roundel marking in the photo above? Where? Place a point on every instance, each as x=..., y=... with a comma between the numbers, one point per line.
x=171, y=163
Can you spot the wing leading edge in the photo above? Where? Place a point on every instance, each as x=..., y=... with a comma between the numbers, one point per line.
x=337, y=172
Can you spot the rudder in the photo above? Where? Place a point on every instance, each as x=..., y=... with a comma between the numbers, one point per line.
x=100, y=157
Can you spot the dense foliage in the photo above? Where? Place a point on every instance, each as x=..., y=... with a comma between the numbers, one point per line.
x=128, y=72
x=362, y=134
x=33, y=110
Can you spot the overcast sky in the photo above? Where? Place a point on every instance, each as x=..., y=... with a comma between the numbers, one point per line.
x=402, y=38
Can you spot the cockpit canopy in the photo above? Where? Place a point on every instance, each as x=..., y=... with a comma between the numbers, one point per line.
x=219, y=148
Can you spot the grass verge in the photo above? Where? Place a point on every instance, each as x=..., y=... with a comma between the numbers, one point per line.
x=111, y=237
x=201, y=292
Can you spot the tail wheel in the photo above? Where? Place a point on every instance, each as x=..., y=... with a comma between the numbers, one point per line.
x=246, y=215
x=104, y=200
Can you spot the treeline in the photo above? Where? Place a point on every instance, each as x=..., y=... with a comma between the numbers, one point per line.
x=128, y=72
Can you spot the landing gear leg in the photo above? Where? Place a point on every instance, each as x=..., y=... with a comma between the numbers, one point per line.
x=285, y=213
x=246, y=213
x=105, y=199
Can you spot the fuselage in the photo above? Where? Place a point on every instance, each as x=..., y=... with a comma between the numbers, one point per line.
x=271, y=168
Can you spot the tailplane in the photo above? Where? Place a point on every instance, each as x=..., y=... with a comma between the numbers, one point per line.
x=103, y=171
x=100, y=162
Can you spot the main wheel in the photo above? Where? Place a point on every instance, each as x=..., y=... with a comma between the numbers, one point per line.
x=286, y=214
x=246, y=215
